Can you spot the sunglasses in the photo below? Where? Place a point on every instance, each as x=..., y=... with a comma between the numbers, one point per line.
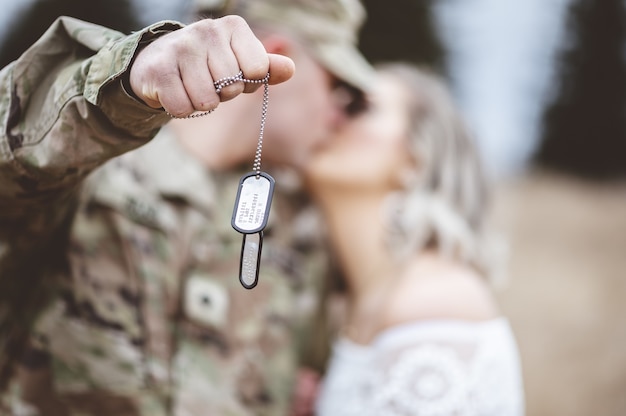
x=351, y=99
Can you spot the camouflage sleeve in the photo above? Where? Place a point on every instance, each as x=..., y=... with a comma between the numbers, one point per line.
x=64, y=111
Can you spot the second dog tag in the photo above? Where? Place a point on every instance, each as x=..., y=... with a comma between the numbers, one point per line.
x=250, y=259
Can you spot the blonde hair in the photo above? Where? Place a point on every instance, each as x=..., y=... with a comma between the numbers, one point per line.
x=445, y=204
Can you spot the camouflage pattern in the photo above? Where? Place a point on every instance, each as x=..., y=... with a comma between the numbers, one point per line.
x=118, y=274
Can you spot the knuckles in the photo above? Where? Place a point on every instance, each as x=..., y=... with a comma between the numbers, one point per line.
x=213, y=29
x=233, y=21
x=210, y=103
x=159, y=64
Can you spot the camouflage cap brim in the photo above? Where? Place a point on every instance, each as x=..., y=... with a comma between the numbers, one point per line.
x=345, y=62
x=329, y=27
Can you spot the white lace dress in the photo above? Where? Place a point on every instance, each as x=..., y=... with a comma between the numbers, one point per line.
x=428, y=368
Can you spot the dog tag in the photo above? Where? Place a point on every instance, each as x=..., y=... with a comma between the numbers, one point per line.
x=253, y=202
x=250, y=215
x=250, y=259
x=254, y=195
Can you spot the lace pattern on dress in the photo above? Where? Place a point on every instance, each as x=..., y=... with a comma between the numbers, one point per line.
x=432, y=370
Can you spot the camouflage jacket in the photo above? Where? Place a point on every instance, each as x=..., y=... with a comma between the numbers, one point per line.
x=118, y=274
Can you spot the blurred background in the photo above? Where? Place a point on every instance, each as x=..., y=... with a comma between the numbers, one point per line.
x=542, y=84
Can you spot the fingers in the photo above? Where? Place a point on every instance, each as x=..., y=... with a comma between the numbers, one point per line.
x=251, y=56
x=305, y=392
x=222, y=60
x=197, y=82
x=178, y=70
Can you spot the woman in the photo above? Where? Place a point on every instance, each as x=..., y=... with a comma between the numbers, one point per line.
x=404, y=198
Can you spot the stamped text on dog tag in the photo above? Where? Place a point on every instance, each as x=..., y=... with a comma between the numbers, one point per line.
x=253, y=202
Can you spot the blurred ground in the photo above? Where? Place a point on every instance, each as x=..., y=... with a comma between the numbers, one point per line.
x=566, y=297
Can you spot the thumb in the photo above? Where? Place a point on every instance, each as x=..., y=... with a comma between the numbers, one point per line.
x=281, y=68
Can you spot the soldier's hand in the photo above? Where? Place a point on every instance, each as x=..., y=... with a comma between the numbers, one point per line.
x=305, y=392
x=177, y=70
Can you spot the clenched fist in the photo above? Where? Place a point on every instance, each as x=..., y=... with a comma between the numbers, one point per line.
x=177, y=71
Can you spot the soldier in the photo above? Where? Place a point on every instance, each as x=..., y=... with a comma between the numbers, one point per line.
x=118, y=274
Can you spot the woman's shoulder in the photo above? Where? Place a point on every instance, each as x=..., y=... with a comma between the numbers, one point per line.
x=434, y=287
